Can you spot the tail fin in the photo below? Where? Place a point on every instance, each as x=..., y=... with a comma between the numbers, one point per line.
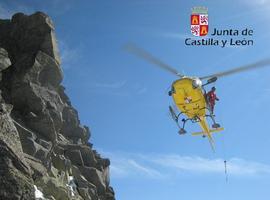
x=211, y=141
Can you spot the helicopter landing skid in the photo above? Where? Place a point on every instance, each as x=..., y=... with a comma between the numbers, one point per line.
x=182, y=131
x=214, y=125
x=175, y=118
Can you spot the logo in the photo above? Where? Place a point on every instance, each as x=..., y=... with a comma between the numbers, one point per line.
x=199, y=21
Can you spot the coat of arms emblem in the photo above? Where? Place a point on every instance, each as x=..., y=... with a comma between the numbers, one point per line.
x=199, y=21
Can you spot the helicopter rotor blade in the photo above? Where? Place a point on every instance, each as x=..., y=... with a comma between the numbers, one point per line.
x=131, y=48
x=252, y=66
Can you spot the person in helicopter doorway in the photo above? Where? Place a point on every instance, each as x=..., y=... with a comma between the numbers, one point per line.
x=211, y=99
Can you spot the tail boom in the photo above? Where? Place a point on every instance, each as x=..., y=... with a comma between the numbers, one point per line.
x=207, y=132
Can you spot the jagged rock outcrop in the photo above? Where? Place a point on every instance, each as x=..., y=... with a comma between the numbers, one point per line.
x=43, y=146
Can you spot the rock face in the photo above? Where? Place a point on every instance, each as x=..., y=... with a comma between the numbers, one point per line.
x=43, y=146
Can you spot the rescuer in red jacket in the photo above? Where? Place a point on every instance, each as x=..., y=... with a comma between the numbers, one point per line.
x=211, y=99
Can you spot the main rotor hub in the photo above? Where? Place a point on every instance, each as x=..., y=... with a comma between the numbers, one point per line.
x=196, y=83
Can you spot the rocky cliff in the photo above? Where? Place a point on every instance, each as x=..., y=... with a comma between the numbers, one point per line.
x=44, y=150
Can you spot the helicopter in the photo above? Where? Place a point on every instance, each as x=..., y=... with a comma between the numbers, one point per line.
x=189, y=94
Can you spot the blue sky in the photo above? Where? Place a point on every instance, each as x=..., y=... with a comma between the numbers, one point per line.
x=124, y=99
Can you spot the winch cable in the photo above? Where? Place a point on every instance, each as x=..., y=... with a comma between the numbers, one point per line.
x=226, y=174
x=225, y=157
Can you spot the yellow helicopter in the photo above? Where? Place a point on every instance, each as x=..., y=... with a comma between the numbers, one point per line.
x=189, y=95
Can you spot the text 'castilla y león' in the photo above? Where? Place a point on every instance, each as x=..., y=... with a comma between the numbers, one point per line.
x=231, y=37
